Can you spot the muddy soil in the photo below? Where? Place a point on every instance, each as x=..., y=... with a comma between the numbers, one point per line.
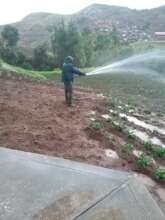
x=35, y=118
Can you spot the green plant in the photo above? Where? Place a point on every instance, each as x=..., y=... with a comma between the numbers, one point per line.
x=95, y=125
x=160, y=174
x=111, y=139
x=112, y=102
x=155, y=151
x=118, y=126
x=131, y=135
x=158, y=152
x=128, y=147
x=10, y=35
x=148, y=145
x=144, y=160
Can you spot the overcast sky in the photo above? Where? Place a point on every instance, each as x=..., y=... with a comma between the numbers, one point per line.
x=14, y=10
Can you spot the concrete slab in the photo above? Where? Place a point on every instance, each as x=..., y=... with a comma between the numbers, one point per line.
x=35, y=187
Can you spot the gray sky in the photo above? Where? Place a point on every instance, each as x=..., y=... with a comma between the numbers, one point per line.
x=15, y=10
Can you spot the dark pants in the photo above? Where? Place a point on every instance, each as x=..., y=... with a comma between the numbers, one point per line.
x=68, y=93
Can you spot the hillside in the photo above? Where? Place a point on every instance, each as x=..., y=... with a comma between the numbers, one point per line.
x=132, y=24
x=125, y=18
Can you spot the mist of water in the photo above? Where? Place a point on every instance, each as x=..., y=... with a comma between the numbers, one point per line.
x=132, y=64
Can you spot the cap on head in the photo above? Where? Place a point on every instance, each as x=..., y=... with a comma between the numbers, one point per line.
x=69, y=59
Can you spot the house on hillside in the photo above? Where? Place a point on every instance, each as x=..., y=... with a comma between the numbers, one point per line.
x=160, y=36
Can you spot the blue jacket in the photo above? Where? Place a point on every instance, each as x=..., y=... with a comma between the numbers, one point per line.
x=68, y=71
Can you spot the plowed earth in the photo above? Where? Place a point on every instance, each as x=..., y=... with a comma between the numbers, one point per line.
x=34, y=117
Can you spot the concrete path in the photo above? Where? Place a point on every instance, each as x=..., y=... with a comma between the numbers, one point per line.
x=37, y=187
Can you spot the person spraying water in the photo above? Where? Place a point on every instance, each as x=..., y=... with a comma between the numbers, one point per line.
x=135, y=64
x=68, y=72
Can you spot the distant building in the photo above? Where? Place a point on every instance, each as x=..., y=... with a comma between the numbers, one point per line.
x=160, y=36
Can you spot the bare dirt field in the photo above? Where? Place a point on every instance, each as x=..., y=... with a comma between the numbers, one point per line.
x=35, y=118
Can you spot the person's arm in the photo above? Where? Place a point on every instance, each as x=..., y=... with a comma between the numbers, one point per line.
x=77, y=71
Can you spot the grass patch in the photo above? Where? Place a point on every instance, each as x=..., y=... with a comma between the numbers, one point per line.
x=112, y=102
x=95, y=125
x=158, y=152
x=40, y=75
x=144, y=160
x=155, y=151
x=159, y=174
x=111, y=138
x=128, y=148
x=148, y=145
x=118, y=126
x=131, y=135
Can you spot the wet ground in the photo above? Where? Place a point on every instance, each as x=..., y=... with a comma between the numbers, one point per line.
x=35, y=118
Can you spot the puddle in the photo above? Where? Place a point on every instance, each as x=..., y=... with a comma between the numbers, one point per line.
x=143, y=136
x=157, y=141
x=142, y=124
x=111, y=154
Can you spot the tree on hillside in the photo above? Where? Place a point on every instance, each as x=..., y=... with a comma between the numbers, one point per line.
x=8, y=50
x=115, y=37
x=103, y=41
x=76, y=46
x=10, y=36
x=89, y=41
x=108, y=40
x=8, y=55
x=59, y=42
x=42, y=60
x=67, y=40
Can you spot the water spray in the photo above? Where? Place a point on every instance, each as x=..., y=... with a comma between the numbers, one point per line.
x=132, y=64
